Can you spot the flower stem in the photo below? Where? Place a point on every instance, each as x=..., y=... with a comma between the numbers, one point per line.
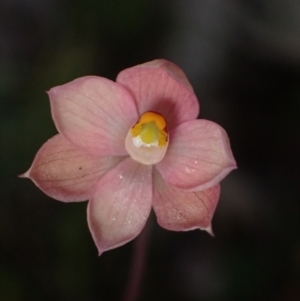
x=138, y=265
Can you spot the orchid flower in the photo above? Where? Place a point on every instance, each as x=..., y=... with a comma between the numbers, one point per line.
x=132, y=145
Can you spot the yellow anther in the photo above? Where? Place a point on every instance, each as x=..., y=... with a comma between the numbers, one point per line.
x=151, y=128
x=153, y=117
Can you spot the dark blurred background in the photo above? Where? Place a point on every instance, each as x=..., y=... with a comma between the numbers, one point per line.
x=243, y=60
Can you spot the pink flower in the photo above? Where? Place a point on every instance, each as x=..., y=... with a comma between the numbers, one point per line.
x=132, y=144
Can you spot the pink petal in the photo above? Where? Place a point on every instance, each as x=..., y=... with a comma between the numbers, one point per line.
x=94, y=113
x=199, y=156
x=180, y=210
x=66, y=173
x=161, y=86
x=120, y=205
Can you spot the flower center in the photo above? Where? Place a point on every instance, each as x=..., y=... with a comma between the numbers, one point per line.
x=147, y=139
x=151, y=129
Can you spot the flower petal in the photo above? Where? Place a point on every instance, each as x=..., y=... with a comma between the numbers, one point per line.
x=66, y=173
x=120, y=205
x=180, y=210
x=199, y=156
x=161, y=86
x=94, y=113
